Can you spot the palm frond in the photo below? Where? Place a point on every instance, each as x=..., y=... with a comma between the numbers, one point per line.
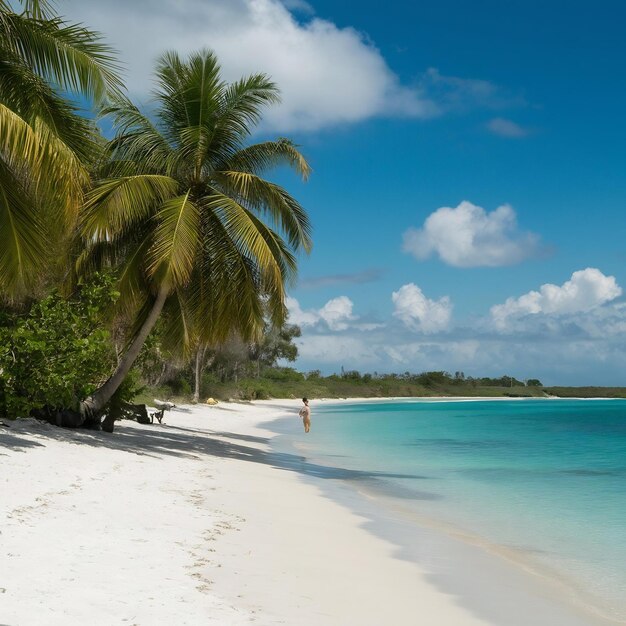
x=19, y=144
x=178, y=330
x=38, y=9
x=261, y=157
x=116, y=205
x=22, y=236
x=68, y=55
x=132, y=282
x=253, y=239
x=173, y=114
x=241, y=109
x=225, y=298
x=243, y=103
x=269, y=198
x=63, y=178
x=137, y=140
x=176, y=238
x=56, y=176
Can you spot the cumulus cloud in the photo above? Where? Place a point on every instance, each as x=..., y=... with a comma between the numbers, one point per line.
x=299, y=316
x=336, y=313
x=577, y=335
x=327, y=74
x=506, y=128
x=469, y=236
x=585, y=291
x=418, y=312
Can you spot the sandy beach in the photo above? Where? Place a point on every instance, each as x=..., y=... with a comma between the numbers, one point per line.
x=197, y=521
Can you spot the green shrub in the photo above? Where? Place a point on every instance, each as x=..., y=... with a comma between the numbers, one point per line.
x=58, y=352
x=283, y=374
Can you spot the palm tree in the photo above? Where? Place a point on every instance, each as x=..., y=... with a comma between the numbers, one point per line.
x=45, y=145
x=184, y=213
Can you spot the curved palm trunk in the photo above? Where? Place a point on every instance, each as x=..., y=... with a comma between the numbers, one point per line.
x=198, y=372
x=201, y=364
x=98, y=399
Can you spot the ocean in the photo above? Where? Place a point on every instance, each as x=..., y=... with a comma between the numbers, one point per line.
x=543, y=481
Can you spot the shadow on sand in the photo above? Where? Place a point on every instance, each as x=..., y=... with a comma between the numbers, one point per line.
x=183, y=442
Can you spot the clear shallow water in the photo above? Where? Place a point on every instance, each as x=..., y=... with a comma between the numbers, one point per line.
x=543, y=478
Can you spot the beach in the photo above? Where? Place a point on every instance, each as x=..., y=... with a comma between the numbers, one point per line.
x=199, y=521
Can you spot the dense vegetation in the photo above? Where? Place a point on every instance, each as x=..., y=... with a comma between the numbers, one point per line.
x=175, y=207
x=52, y=354
x=234, y=374
x=284, y=382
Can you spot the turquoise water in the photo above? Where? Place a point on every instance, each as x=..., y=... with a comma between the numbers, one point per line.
x=543, y=479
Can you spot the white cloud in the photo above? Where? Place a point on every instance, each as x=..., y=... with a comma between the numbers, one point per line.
x=434, y=353
x=468, y=236
x=336, y=313
x=298, y=316
x=586, y=290
x=368, y=326
x=327, y=74
x=337, y=350
x=577, y=336
x=419, y=313
x=506, y=128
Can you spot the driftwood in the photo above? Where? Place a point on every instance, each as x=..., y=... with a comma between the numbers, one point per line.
x=164, y=405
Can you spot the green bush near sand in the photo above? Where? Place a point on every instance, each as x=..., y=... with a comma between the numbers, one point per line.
x=586, y=392
x=57, y=351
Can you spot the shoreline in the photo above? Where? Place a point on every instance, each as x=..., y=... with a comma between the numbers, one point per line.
x=199, y=521
x=507, y=565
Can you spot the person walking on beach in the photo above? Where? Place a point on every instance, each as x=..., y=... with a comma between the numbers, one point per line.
x=305, y=414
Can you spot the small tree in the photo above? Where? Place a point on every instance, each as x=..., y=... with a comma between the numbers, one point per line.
x=275, y=344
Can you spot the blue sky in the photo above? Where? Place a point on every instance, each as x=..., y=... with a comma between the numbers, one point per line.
x=468, y=191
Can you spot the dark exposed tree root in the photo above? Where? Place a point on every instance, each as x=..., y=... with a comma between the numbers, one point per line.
x=87, y=418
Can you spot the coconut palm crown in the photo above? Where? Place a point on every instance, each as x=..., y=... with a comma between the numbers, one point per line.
x=46, y=146
x=184, y=212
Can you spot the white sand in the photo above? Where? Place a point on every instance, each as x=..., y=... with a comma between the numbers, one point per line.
x=193, y=522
